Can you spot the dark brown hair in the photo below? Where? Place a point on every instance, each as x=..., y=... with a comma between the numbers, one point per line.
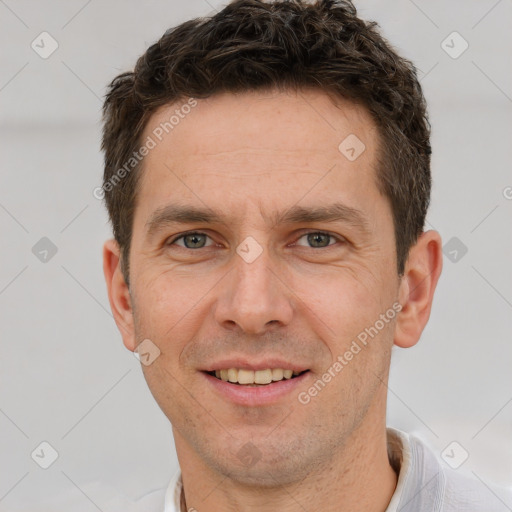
x=255, y=45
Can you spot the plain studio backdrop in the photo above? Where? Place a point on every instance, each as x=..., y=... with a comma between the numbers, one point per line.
x=66, y=378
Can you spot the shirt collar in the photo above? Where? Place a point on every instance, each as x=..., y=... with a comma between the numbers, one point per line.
x=399, y=454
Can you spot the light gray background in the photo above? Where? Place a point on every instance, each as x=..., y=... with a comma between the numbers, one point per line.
x=65, y=376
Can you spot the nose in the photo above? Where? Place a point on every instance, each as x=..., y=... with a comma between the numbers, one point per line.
x=254, y=297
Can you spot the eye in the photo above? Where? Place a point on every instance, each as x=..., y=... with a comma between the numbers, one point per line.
x=192, y=240
x=319, y=239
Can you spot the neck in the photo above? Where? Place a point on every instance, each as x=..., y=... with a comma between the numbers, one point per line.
x=357, y=478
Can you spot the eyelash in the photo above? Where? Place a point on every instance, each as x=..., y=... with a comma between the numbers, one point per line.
x=183, y=235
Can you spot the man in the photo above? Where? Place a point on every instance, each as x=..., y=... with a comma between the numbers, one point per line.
x=267, y=175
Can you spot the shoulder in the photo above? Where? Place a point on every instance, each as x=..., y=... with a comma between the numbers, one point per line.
x=153, y=501
x=450, y=490
x=472, y=494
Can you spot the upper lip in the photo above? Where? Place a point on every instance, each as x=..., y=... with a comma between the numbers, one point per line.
x=245, y=364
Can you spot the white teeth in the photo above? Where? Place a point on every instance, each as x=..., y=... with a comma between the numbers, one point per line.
x=263, y=376
x=277, y=374
x=245, y=376
x=251, y=377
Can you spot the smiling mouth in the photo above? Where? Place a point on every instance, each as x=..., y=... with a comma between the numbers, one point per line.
x=244, y=377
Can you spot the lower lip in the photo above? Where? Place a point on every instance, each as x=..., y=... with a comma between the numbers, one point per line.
x=256, y=395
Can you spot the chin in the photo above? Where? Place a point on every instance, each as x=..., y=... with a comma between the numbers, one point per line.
x=257, y=465
x=262, y=475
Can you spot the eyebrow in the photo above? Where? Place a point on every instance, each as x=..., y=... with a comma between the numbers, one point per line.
x=336, y=212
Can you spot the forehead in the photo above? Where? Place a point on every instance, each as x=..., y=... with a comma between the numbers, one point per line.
x=266, y=144
x=307, y=120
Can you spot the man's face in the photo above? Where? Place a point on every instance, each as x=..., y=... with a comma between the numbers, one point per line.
x=259, y=288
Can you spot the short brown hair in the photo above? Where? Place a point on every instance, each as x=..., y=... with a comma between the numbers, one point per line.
x=255, y=45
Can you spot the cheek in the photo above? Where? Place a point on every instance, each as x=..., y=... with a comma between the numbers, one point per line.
x=173, y=307
x=340, y=304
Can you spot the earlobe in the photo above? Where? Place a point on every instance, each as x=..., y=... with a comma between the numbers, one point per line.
x=118, y=293
x=417, y=287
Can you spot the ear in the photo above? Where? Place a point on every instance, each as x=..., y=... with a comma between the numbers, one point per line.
x=417, y=286
x=118, y=293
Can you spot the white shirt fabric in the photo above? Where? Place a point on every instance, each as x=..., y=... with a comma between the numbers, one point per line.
x=425, y=484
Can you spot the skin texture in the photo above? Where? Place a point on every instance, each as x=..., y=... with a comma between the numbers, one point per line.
x=251, y=157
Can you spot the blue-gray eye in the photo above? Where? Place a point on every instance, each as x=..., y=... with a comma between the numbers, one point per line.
x=192, y=240
x=318, y=239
